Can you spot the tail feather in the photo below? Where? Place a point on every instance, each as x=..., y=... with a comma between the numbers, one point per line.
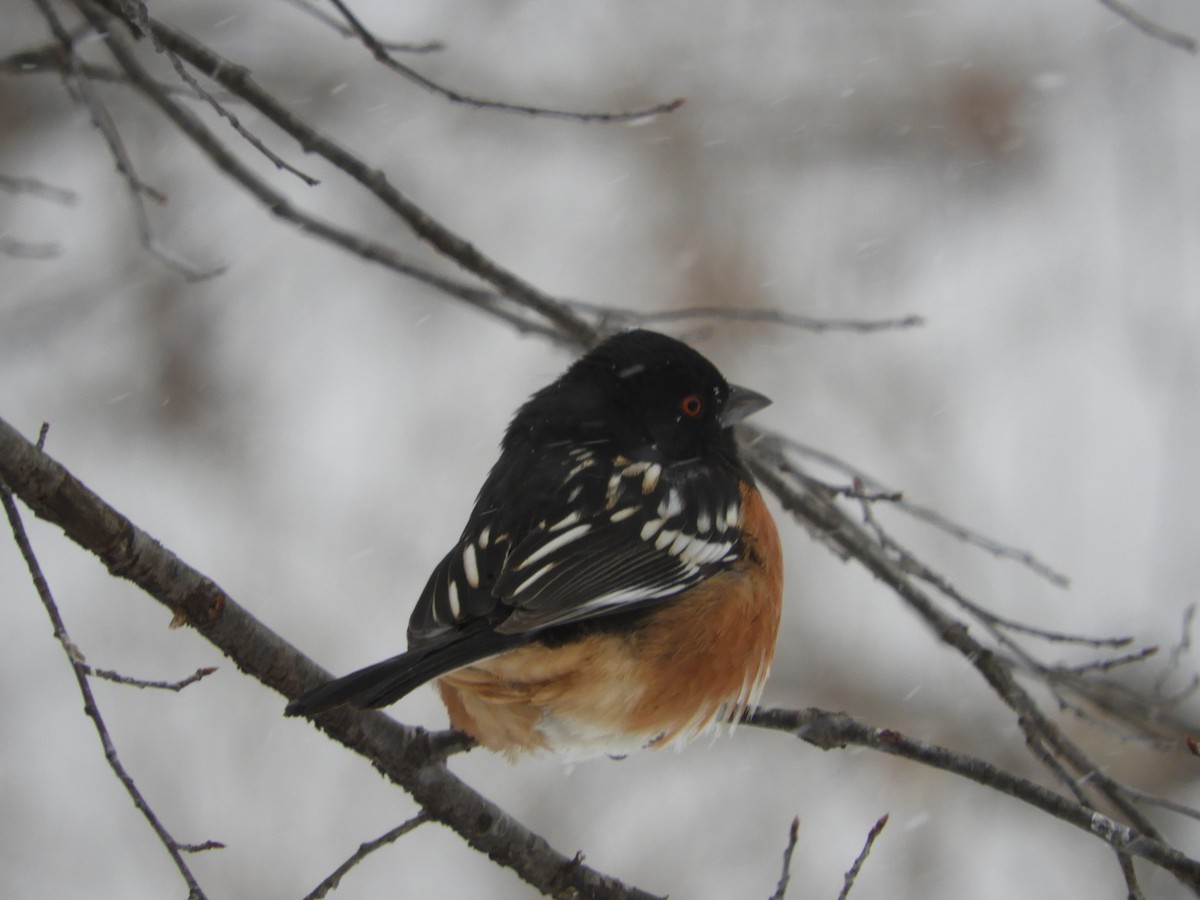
x=386, y=682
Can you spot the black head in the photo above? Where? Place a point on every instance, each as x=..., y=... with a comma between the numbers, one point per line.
x=640, y=392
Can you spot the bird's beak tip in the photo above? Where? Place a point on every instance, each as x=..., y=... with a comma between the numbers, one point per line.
x=742, y=403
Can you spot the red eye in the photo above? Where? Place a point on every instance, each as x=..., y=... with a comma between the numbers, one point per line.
x=692, y=406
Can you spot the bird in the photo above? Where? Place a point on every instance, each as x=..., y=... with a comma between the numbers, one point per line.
x=619, y=582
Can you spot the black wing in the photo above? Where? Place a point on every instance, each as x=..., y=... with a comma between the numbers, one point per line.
x=626, y=533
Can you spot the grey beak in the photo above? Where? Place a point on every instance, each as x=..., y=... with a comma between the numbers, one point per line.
x=742, y=402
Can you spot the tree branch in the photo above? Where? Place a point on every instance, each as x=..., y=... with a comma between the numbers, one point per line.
x=819, y=512
x=415, y=759
x=856, y=866
x=237, y=80
x=830, y=731
x=385, y=58
x=404, y=754
x=91, y=709
x=363, y=851
x=1149, y=27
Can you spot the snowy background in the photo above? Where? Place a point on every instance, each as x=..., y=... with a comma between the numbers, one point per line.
x=310, y=431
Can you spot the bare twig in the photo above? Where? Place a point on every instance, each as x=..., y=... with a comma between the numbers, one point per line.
x=398, y=46
x=176, y=686
x=380, y=52
x=1101, y=665
x=1163, y=803
x=786, y=875
x=52, y=58
x=236, y=124
x=363, y=851
x=35, y=187
x=821, y=514
x=564, y=323
x=625, y=317
x=931, y=517
x=1045, y=634
x=1133, y=890
x=852, y=874
x=1150, y=27
x=835, y=730
x=173, y=847
x=1174, y=659
x=80, y=88
x=279, y=204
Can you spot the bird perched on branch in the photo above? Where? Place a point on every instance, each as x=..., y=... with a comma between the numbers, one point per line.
x=618, y=584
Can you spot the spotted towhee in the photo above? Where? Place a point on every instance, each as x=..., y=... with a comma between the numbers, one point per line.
x=618, y=584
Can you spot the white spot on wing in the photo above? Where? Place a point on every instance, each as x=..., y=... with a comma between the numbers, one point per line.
x=484, y=537
x=561, y=541
x=732, y=515
x=650, y=479
x=622, y=514
x=585, y=462
x=665, y=539
x=566, y=522
x=702, y=552
x=651, y=528
x=613, y=492
x=532, y=578
x=680, y=545
x=671, y=506
x=470, y=567
x=452, y=597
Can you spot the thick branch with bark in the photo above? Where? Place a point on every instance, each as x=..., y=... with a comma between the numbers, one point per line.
x=404, y=754
x=416, y=760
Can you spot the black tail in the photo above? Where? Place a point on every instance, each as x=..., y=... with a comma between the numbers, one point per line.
x=386, y=682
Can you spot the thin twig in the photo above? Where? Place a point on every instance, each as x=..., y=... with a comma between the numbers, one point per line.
x=821, y=514
x=176, y=686
x=397, y=46
x=80, y=88
x=1150, y=27
x=929, y=516
x=173, y=847
x=35, y=187
x=832, y=730
x=363, y=851
x=1045, y=634
x=52, y=58
x=1163, y=803
x=1101, y=665
x=565, y=324
x=281, y=206
x=381, y=54
x=1133, y=890
x=1182, y=646
x=786, y=875
x=852, y=874
x=819, y=325
x=236, y=124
